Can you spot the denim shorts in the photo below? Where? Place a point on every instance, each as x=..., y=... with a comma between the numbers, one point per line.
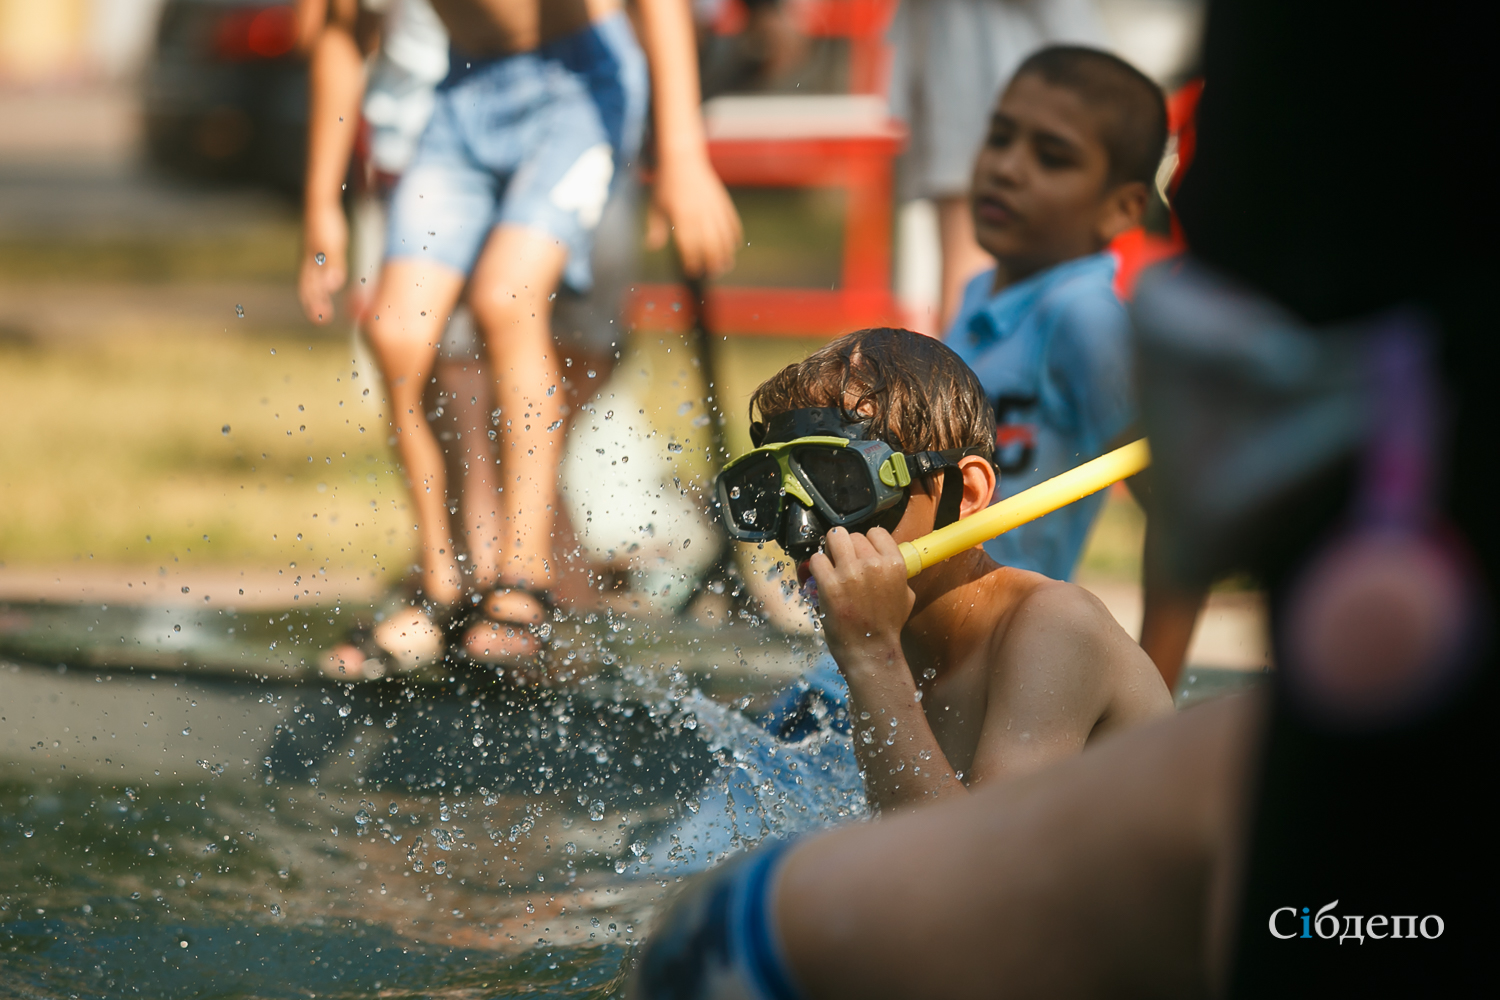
x=534, y=139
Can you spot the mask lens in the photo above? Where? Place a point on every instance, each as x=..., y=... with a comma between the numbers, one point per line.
x=840, y=476
x=753, y=492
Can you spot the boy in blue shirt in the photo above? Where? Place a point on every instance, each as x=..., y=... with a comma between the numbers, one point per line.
x=1072, y=149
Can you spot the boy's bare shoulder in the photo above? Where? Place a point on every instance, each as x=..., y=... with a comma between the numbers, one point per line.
x=1061, y=628
x=1040, y=603
x=1061, y=633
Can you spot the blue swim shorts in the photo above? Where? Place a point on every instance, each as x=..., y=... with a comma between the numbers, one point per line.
x=534, y=140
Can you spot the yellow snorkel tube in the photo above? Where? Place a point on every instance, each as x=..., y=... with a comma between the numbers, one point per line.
x=1043, y=498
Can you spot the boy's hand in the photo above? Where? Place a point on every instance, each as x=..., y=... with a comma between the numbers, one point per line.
x=326, y=232
x=862, y=596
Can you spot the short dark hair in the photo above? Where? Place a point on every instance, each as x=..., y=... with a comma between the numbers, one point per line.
x=1134, y=112
x=920, y=395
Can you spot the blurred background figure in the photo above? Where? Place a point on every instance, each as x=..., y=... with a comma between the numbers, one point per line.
x=409, y=61
x=477, y=185
x=952, y=59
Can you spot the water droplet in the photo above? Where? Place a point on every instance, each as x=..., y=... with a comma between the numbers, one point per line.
x=551, y=389
x=530, y=908
x=478, y=740
x=734, y=493
x=275, y=910
x=596, y=811
x=344, y=710
x=416, y=864
x=182, y=944
x=439, y=866
x=592, y=373
x=748, y=517
x=28, y=834
x=320, y=258
x=186, y=731
x=619, y=870
x=239, y=312
x=552, y=297
x=224, y=430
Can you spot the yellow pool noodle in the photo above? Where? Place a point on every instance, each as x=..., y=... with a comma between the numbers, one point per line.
x=1028, y=505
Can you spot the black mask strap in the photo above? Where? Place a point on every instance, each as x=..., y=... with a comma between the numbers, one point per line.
x=952, y=496
x=951, y=499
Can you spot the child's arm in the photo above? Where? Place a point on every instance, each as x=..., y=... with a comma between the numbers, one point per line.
x=864, y=600
x=336, y=83
x=687, y=191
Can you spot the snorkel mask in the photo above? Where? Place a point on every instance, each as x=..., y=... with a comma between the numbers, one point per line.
x=813, y=470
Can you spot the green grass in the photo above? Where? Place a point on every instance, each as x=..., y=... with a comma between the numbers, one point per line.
x=115, y=451
x=266, y=251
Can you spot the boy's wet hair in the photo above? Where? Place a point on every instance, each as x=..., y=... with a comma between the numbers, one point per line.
x=1133, y=119
x=915, y=392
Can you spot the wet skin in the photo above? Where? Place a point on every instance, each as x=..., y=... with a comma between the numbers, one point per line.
x=1041, y=191
x=971, y=671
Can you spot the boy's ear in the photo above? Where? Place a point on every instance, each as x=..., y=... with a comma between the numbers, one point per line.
x=1123, y=209
x=980, y=480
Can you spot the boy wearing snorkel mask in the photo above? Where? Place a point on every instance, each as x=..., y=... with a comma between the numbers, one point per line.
x=971, y=671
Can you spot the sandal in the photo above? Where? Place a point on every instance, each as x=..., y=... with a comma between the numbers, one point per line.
x=505, y=628
x=410, y=632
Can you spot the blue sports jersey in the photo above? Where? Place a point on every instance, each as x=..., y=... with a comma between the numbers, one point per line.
x=1053, y=354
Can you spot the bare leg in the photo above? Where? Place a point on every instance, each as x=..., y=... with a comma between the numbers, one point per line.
x=404, y=326
x=510, y=294
x=465, y=397
x=963, y=258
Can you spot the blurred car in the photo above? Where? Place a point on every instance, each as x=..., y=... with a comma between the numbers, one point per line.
x=226, y=92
